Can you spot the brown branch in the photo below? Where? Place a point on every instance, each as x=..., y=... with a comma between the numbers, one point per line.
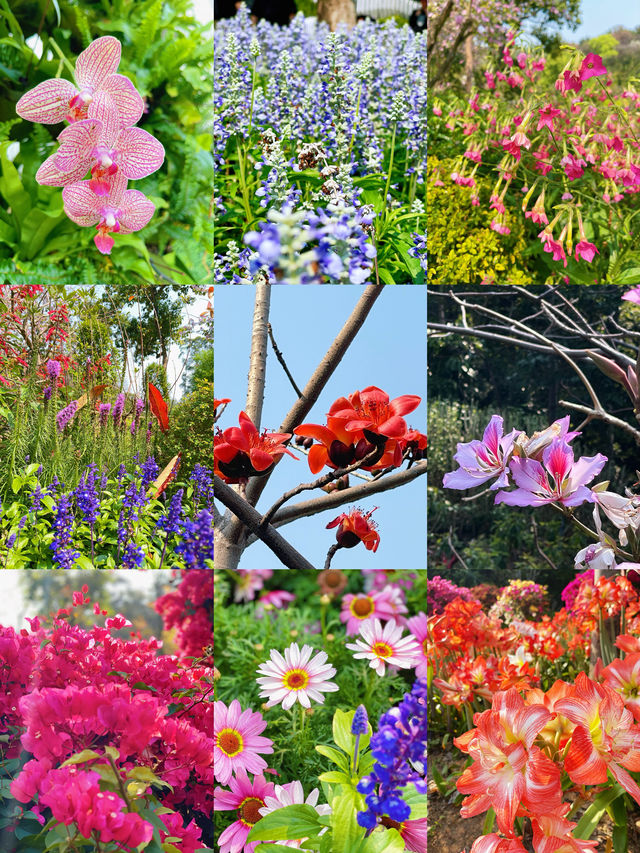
x=280, y=358
x=330, y=553
x=250, y=518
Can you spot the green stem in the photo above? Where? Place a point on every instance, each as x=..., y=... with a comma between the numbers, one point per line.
x=323, y=623
x=302, y=719
x=393, y=148
x=243, y=185
x=63, y=58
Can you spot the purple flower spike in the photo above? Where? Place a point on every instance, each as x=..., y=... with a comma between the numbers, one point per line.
x=47, y=393
x=480, y=461
x=53, y=369
x=118, y=408
x=66, y=415
x=558, y=479
x=105, y=408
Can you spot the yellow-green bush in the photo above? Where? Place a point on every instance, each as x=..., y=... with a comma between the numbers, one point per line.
x=462, y=248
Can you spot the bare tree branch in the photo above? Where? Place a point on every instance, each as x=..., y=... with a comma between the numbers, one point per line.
x=280, y=358
x=250, y=518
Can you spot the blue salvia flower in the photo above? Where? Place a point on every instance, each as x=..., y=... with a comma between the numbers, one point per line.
x=86, y=496
x=62, y=546
x=202, y=477
x=401, y=738
x=133, y=556
x=172, y=521
x=197, y=542
x=359, y=726
x=150, y=471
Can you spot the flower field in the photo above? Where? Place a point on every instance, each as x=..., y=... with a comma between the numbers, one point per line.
x=319, y=718
x=320, y=153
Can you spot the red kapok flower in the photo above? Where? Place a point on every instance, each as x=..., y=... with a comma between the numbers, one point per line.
x=241, y=452
x=355, y=526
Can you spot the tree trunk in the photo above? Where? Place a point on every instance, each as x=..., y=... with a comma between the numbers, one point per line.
x=468, y=62
x=335, y=12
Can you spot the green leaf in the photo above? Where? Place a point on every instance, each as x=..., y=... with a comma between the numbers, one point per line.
x=11, y=187
x=290, y=822
x=335, y=755
x=487, y=826
x=81, y=757
x=417, y=802
x=342, y=731
x=343, y=821
x=389, y=841
x=593, y=815
x=335, y=776
x=83, y=562
x=16, y=484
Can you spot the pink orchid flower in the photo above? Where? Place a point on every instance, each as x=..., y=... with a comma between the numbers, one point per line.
x=559, y=479
x=120, y=210
x=98, y=85
x=480, y=461
x=105, y=149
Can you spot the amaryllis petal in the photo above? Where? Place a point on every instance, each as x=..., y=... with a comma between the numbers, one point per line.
x=125, y=97
x=136, y=211
x=81, y=203
x=49, y=175
x=48, y=102
x=97, y=62
x=76, y=144
x=629, y=784
x=139, y=153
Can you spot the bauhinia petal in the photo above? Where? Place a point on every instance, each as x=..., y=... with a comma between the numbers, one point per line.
x=136, y=211
x=139, y=153
x=76, y=143
x=81, y=204
x=50, y=175
x=97, y=62
x=125, y=97
x=48, y=103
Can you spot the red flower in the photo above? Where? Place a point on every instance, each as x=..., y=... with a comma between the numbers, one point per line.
x=241, y=452
x=354, y=527
x=356, y=426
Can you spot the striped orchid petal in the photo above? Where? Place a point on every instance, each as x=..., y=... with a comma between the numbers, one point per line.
x=135, y=211
x=48, y=103
x=80, y=203
x=49, y=175
x=139, y=153
x=125, y=97
x=76, y=144
x=97, y=62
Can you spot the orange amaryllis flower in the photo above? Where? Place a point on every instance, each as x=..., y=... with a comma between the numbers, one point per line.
x=508, y=771
x=605, y=738
x=355, y=526
x=623, y=676
x=552, y=832
x=242, y=452
x=358, y=425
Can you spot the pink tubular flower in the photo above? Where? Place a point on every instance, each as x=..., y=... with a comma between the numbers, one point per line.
x=103, y=147
x=586, y=250
x=99, y=87
x=553, y=247
x=385, y=645
x=592, y=66
x=120, y=210
x=248, y=798
x=507, y=770
x=480, y=461
x=559, y=479
x=573, y=166
x=418, y=627
x=236, y=741
x=605, y=737
x=295, y=677
x=547, y=115
x=358, y=609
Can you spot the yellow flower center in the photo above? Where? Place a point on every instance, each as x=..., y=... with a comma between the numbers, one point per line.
x=248, y=811
x=363, y=607
x=382, y=650
x=295, y=679
x=230, y=742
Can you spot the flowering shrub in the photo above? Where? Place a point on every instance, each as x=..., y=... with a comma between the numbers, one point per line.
x=326, y=148
x=189, y=609
x=377, y=781
x=441, y=591
x=520, y=599
x=107, y=743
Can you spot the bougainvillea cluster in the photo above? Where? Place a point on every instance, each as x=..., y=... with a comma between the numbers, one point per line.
x=189, y=609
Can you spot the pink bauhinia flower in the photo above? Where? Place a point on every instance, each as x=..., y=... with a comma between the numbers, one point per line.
x=103, y=147
x=480, y=461
x=632, y=295
x=98, y=86
x=559, y=479
x=121, y=210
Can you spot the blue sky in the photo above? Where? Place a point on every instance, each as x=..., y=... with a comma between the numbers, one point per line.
x=389, y=351
x=599, y=17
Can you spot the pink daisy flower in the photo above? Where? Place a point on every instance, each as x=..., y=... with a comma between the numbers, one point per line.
x=295, y=677
x=418, y=627
x=249, y=582
x=385, y=645
x=291, y=794
x=248, y=797
x=236, y=741
x=358, y=609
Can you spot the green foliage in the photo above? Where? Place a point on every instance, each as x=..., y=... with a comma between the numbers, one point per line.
x=462, y=248
x=604, y=45
x=168, y=55
x=191, y=428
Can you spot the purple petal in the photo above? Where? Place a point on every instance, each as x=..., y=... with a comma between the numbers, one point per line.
x=136, y=211
x=139, y=153
x=462, y=479
x=578, y=497
x=48, y=103
x=528, y=474
x=585, y=469
x=558, y=459
x=521, y=497
x=97, y=62
x=493, y=434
